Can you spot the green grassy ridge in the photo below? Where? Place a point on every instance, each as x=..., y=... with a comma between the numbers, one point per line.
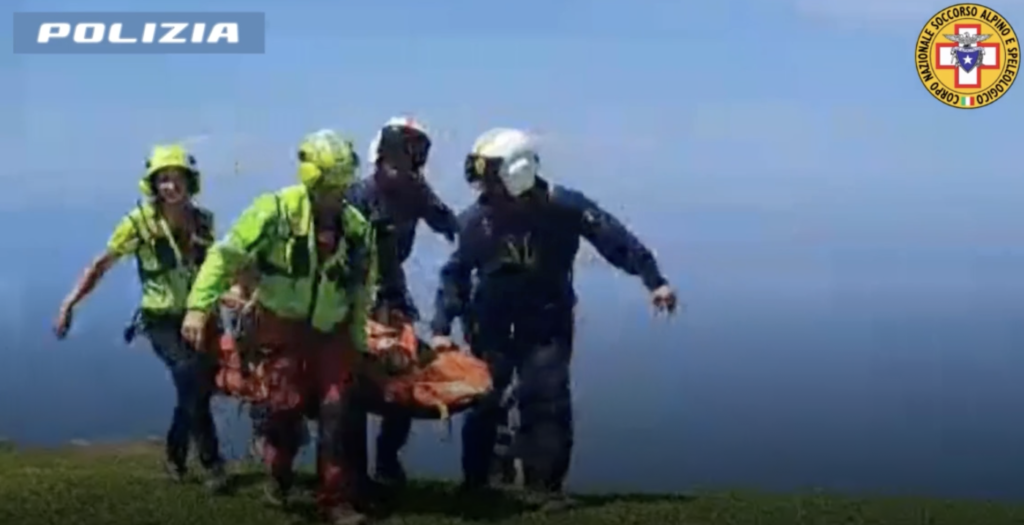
x=114, y=484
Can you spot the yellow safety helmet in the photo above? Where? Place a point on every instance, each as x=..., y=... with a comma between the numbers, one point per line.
x=327, y=159
x=170, y=156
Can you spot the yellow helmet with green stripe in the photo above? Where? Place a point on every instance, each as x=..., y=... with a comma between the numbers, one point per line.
x=170, y=156
x=326, y=159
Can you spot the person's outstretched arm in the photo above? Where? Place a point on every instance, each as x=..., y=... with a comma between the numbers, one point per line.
x=439, y=216
x=616, y=244
x=125, y=241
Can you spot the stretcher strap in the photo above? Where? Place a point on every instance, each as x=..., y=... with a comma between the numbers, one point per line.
x=444, y=423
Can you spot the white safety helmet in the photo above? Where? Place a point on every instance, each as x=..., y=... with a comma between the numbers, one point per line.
x=510, y=155
x=402, y=124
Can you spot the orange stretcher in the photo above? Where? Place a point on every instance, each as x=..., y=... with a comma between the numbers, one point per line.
x=418, y=381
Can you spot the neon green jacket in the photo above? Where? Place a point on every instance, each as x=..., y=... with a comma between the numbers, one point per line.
x=275, y=236
x=165, y=272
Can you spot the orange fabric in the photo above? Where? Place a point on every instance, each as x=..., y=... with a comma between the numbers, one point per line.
x=245, y=381
x=451, y=378
x=447, y=382
x=272, y=366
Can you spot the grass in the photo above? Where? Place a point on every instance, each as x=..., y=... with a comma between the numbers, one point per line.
x=113, y=484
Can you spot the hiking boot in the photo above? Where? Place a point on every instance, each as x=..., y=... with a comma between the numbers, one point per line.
x=276, y=494
x=175, y=471
x=346, y=515
x=390, y=472
x=216, y=480
x=548, y=502
x=370, y=494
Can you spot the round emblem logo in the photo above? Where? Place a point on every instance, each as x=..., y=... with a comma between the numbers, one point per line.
x=967, y=56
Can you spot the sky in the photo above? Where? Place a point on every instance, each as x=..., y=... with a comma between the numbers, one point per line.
x=772, y=152
x=786, y=139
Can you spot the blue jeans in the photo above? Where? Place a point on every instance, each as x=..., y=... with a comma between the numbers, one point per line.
x=193, y=375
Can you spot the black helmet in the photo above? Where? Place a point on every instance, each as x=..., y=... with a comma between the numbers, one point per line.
x=402, y=142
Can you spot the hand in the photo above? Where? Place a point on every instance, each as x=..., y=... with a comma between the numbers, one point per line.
x=235, y=298
x=63, y=322
x=441, y=342
x=664, y=299
x=249, y=307
x=193, y=329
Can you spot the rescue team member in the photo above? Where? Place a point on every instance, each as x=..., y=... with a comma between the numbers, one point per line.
x=396, y=197
x=169, y=236
x=316, y=261
x=520, y=240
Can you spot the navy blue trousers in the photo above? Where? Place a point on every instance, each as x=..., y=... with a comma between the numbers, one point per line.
x=538, y=350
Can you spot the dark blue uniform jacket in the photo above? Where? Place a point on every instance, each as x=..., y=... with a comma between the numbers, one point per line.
x=395, y=218
x=523, y=265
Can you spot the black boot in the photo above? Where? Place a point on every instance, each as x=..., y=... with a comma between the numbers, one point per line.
x=176, y=447
x=389, y=471
x=474, y=489
x=394, y=434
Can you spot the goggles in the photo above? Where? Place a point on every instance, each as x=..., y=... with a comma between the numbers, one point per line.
x=479, y=169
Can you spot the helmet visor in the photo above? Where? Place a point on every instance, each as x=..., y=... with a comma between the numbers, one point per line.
x=404, y=147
